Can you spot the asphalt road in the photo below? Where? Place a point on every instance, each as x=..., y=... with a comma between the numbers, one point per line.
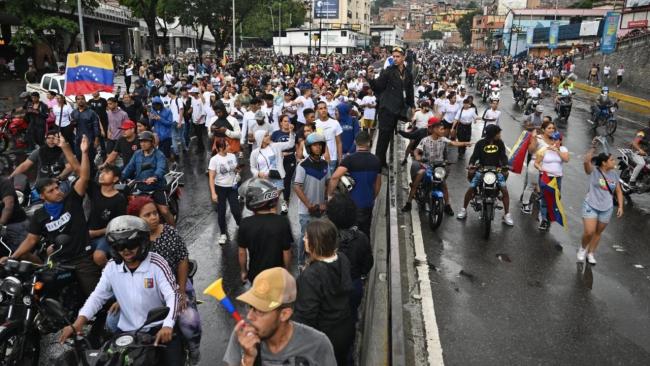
x=522, y=298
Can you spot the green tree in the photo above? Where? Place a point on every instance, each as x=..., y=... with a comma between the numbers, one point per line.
x=148, y=11
x=464, y=25
x=472, y=5
x=262, y=22
x=432, y=34
x=46, y=22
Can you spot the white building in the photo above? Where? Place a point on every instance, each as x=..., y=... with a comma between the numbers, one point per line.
x=387, y=35
x=297, y=40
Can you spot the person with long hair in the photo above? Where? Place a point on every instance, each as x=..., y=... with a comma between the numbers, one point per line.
x=289, y=159
x=222, y=179
x=324, y=288
x=549, y=161
x=538, y=141
x=597, y=208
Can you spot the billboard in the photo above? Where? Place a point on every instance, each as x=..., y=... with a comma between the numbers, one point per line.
x=608, y=39
x=636, y=3
x=326, y=9
x=553, y=33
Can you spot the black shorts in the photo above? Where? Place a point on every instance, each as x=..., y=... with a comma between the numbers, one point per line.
x=160, y=197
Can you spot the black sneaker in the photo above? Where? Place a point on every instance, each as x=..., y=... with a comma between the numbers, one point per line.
x=448, y=210
x=544, y=225
x=407, y=207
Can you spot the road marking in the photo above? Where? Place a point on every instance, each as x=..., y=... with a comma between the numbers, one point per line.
x=432, y=334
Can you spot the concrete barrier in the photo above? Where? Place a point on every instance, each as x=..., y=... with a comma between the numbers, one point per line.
x=629, y=102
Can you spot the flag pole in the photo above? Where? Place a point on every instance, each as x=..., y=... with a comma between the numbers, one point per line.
x=81, y=26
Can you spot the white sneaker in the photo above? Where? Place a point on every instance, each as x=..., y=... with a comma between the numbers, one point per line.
x=591, y=259
x=285, y=208
x=462, y=214
x=582, y=253
x=223, y=238
x=507, y=219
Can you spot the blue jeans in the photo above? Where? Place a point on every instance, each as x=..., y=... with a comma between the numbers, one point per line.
x=186, y=135
x=303, y=219
x=332, y=165
x=176, y=139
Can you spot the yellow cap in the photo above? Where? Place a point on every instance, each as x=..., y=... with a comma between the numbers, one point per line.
x=271, y=288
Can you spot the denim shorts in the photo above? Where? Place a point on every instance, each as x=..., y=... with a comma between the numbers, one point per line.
x=589, y=212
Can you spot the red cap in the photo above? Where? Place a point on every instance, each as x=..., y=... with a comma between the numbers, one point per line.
x=127, y=124
x=433, y=121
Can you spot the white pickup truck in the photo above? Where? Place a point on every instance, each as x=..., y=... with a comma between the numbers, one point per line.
x=56, y=82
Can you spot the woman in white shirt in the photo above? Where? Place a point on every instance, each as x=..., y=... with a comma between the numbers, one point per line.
x=267, y=161
x=62, y=112
x=227, y=100
x=463, y=124
x=449, y=111
x=549, y=161
x=537, y=142
x=491, y=116
x=222, y=179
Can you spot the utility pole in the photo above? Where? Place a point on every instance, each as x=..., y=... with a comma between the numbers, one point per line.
x=81, y=26
x=320, y=26
x=280, y=28
x=234, y=40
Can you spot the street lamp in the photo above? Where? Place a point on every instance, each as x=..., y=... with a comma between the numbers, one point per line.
x=320, y=26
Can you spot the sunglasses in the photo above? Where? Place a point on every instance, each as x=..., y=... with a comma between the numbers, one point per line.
x=128, y=245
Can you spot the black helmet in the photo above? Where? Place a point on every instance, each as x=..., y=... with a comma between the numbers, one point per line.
x=259, y=194
x=128, y=231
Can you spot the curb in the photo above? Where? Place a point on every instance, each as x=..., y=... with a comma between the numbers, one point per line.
x=638, y=102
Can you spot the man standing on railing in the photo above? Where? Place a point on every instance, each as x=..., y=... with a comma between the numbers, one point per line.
x=394, y=89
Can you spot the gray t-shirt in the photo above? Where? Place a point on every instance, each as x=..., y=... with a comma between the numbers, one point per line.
x=312, y=175
x=433, y=150
x=598, y=196
x=307, y=347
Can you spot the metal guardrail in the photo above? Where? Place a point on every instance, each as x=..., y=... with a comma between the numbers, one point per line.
x=397, y=356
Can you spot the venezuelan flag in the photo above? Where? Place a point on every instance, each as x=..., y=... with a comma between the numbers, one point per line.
x=518, y=152
x=88, y=72
x=551, y=194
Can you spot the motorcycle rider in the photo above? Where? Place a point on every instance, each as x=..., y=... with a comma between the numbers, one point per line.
x=35, y=113
x=519, y=86
x=140, y=281
x=64, y=214
x=602, y=103
x=13, y=220
x=489, y=151
x=533, y=92
x=431, y=149
x=49, y=160
x=148, y=166
x=641, y=146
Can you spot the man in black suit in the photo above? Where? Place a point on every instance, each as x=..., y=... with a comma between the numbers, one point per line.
x=394, y=88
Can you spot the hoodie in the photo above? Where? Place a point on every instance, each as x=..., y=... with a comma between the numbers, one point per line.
x=350, y=127
x=162, y=126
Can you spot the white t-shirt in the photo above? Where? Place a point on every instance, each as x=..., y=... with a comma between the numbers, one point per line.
x=225, y=169
x=266, y=160
x=606, y=70
x=197, y=111
x=129, y=71
x=369, y=112
x=331, y=106
x=620, y=71
x=168, y=79
x=62, y=118
x=449, y=111
x=190, y=70
x=439, y=105
x=304, y=103
x=491, y=117
x=175, y=105
x=330, y=129
x=552, y=162
x=534, y=92
x=422, y=119
x=466, y=116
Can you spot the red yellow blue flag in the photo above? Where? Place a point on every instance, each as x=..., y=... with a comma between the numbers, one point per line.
x=88, y=72
x=551, y=195
x=518, y=152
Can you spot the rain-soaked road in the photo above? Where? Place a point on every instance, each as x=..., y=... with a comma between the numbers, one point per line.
x=523, y=299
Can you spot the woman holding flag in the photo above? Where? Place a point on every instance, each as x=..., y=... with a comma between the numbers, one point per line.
x=549, y=160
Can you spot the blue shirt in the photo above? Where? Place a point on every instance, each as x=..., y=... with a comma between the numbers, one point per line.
x=157, y=168
x=363, y=167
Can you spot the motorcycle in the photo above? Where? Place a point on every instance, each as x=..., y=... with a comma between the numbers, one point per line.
x=518, y=95
x=470, y=80
x=485, y=198
x=485, y=90
x=604, y=116
x=626, y=165
x=122, y=349
x=13, y=130
x=532, y=106
x=495, y=94
x=429, y=194
x=172, y=190
x=563, y=109
x=23, y=287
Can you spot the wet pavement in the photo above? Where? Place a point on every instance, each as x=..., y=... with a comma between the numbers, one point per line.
x=520, y=297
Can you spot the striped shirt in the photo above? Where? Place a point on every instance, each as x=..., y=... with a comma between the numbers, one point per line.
x=151, y=285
